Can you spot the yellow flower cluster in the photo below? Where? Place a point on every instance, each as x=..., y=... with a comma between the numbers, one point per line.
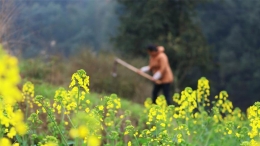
x=114, y=102
x=111, y=107
x=159, y=119
x=187, y=103
x=192, y=111
x=86, y=127
x=223, y=103
x=62, y=99
x=203, y=91
x=28, y=93
x=80, y=79
x=72, y=100
x=49, y=141
x=158, y=113
x=11, y=119
x=254, y=118
x=9, y=78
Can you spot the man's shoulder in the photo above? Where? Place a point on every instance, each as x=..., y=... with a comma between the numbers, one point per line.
x=162, y=56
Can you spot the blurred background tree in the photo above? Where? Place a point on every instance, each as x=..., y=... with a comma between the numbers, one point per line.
x=232, y=30
x=65, y=26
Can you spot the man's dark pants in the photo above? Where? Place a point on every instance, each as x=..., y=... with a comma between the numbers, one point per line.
x=166, y=92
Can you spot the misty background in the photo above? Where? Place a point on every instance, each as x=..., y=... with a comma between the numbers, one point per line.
x=218, y=39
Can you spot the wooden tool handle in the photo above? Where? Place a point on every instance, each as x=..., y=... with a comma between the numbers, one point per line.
x=134, y=69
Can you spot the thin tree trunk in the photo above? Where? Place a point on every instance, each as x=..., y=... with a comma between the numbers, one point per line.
x=7, y=13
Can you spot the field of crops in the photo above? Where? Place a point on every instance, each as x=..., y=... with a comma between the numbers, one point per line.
x=71, y=117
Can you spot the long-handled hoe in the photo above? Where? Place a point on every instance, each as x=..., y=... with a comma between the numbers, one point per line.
x=134, y=69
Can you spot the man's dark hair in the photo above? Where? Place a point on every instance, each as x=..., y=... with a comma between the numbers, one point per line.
x=151, y=48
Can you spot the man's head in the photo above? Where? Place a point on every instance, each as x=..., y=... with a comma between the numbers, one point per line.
x=152, y=49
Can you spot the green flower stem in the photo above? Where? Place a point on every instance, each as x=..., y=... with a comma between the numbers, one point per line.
x=71, y=121
x=26, y=110
x=209, y=135
x=62, y=136
x=78, y=99
x=137, y=140
x=1, y=134
x=62, y=115
x=26, y=117
x=77, y=141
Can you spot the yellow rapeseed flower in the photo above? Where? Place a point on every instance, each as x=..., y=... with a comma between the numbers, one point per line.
x=10, y=77
x=74, y=133
x=162, y=124
x=153, y=128
x=229, y=132
x=11, y=133
x=237, y=135
x=179, y=138
x=83, y=131
x=21, y=128
x=16, y=144
x=94, y=141
x=5, y=142
x=50, y=144
x=101, y=107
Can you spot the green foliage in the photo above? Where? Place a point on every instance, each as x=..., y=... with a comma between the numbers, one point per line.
x=40, y=69
x=45, y=89
x=34, y=69
x=63, y=26
x=232, y=29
